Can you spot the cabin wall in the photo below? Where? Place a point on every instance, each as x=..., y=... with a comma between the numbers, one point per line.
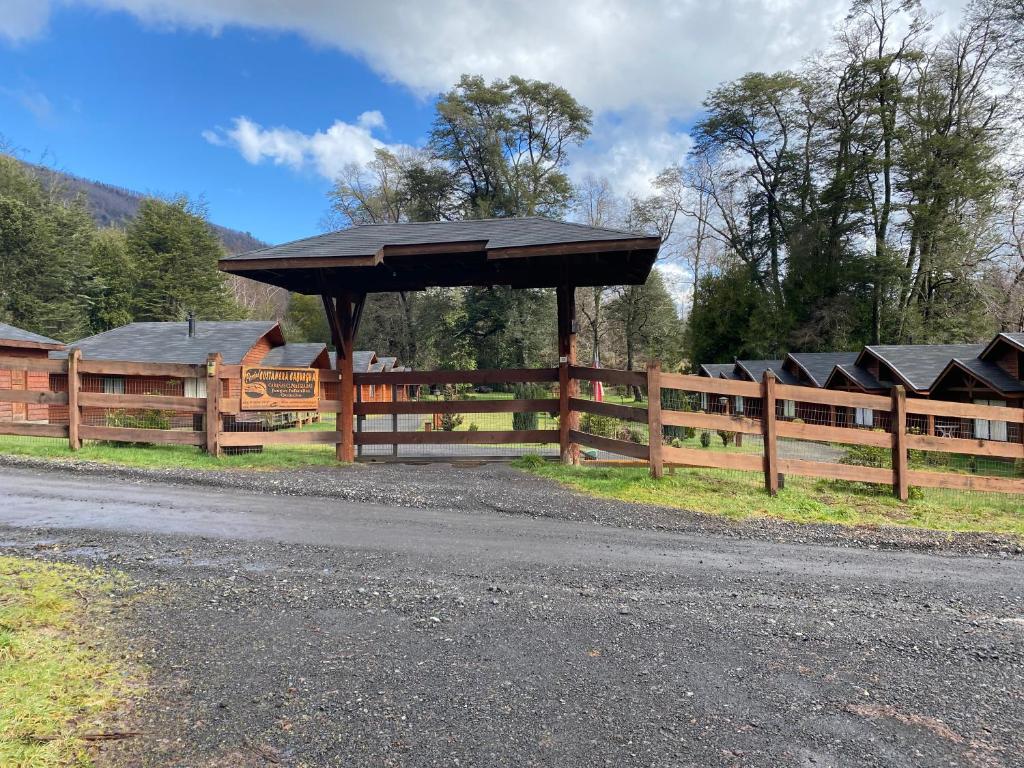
x=23, y=380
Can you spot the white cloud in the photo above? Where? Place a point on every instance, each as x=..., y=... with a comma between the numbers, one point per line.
x=326, y=152
x=662, y=55
x=630, y=153
x=23, y=19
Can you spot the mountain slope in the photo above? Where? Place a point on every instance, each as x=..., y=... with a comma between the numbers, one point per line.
x=116, y=206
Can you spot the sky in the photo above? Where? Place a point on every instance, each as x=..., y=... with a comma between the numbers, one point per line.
x=254, y=105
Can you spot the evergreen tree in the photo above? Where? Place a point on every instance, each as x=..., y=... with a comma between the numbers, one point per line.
x=175, y=252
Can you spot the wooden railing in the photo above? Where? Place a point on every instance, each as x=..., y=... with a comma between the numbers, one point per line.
x=902, y=433
x=897, y=440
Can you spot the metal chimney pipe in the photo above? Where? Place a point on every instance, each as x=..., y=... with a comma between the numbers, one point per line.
x=191, y=325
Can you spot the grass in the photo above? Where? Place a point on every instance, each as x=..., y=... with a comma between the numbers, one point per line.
x=58, y=684
x=173, y=456
x=739, y=496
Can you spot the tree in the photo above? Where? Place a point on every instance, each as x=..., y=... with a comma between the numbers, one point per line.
x=305, y=320
x=175, y=254
x=42, y=239
x=506, y=144
x=110, y=289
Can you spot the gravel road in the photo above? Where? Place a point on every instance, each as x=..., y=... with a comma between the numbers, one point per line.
x=308, y=631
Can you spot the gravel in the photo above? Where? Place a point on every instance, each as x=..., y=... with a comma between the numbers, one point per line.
x=501, y=488
x=300, y=631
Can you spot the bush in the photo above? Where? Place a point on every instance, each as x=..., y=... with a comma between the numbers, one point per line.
x=705, y=439
x=676, y=443
x=674, y=400
x=472, y=427
x=451, y=421
x=527, y=392
x=726, y=437
x=602, y=426
x=530, y=461
x=145, y=419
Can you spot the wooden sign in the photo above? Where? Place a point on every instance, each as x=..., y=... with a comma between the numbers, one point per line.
x=280, y=389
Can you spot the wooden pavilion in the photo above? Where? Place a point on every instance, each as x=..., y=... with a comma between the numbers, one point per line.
x=343, y=267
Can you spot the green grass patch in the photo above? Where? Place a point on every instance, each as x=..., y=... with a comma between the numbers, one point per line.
x=58, y=682
x=739, y=495
x=173, y=456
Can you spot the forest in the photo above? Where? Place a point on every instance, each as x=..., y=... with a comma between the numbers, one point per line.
x=874, y=194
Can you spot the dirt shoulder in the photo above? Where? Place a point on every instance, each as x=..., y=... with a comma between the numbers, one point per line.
x=502, y=488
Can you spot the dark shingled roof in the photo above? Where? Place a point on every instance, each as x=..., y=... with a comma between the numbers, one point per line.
x=918, y=365
x=989, y=373
x=170, y=342
x=858, y=375
x=361, y=360
x=1014, y=339
x=718, y=370
x=293, y=355
x=11, y=333
x=756, y=368
x=818, y=365
x=522, y=252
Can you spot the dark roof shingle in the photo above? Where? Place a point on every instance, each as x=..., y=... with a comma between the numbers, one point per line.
x=12, y=333
x=756, y=368
x=293, y=355
x=170, y=342
x=920, y=364
x=818, y=365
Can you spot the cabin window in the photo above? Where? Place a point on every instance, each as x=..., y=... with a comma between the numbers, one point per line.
x=990, y=430
x=704, y=401
x=373, y=391
x=789, y=409
x=195, y=387
x=113, y=385
x=739, y=403
x=864, y=417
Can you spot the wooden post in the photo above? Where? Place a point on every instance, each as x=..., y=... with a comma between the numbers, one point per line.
x=900, y=484
x=654, y=439
x=213, y=404
x=359, y=418
x=74, y=385
x=567, y=386
x=346, y=442
x=394, y=418
x=771, y=445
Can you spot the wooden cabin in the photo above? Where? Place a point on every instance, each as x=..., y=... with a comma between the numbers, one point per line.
x=191, y=342
x=19, y=343
x=367, y=361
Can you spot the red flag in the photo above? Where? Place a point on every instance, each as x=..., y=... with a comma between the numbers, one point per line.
x=598, y=386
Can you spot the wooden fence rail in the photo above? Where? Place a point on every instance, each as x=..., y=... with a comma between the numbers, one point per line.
x=898, y=439
x=763, y=415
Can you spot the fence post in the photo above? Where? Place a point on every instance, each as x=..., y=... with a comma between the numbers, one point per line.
x=359, y=418
x=770, y=439
x=900, y=484
x=213, y=426
x=566, y=448
x=74, y=413
x=394, y=418
x=654, y=439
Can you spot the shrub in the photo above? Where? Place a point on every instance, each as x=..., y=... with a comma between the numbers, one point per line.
x=676, y=443
x=602, y=426
x=451, y=421
x=145, y=419
x=726, y=437
x=530, y=461
x=472, y=427
x=705, y=439
x=527, y=392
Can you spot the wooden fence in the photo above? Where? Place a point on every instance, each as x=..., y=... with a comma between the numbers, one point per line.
x=897, y=439
x=203, y=419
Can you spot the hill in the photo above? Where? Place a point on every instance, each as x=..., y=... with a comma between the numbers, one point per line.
x=116, y=206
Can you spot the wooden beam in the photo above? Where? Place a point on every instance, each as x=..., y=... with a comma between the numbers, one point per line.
x=540, y=405
x=33, y=396
x=611, y=445
x=616, y=411
x=770, y=436
x=654, y=431
x=900, y=485
x=133, y=435
x=164, y=402
x=33, y=364
x=568, y=388
x=483, y=376
x=346, y=444
x=74, y=412
x=213, y=425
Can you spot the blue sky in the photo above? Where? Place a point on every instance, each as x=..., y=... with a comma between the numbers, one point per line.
x=255, y=105
x=106, y=98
